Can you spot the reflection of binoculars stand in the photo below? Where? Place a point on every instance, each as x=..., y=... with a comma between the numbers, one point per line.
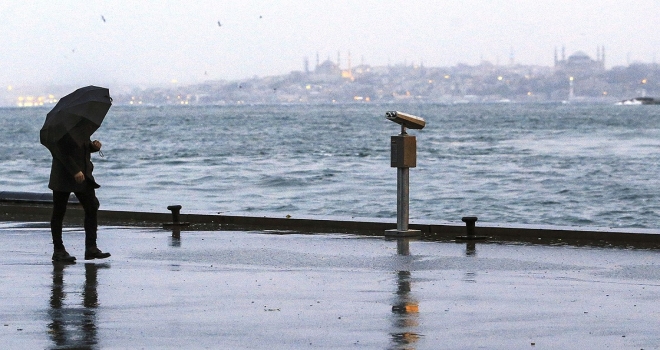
x=403, y=157
x=405, y=308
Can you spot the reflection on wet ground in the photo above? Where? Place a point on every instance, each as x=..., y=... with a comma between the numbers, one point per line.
x=231, y=289
x=176, y=238
x=405, y=307
x=73, y=323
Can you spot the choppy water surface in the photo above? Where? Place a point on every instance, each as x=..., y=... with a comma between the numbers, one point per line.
x=576, y=165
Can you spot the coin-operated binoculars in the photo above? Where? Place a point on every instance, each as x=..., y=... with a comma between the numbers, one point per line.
x=403, y=157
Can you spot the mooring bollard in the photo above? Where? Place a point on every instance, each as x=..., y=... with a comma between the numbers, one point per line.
x=470, y=229
x=469, y=224
x=175, y=209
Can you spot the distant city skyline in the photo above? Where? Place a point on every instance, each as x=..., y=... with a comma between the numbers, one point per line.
x=121, y=42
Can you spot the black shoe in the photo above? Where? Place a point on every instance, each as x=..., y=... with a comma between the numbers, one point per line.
x=95, y=253
x=62, y=255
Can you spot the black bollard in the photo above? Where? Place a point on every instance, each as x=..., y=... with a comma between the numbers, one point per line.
x=469, y=224
x=175, y=209
x=176, y=221
x=470, y=229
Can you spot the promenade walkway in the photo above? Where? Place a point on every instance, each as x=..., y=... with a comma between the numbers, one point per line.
x=283, y=290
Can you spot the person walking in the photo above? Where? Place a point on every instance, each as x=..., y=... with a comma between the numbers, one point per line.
x=71, y=171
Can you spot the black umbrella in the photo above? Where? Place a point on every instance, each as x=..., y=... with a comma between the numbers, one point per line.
x=78, y=114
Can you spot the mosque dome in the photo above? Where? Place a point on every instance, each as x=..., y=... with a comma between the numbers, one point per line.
x=580, y=55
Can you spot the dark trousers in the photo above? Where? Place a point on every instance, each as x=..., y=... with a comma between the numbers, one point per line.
x=91, y=206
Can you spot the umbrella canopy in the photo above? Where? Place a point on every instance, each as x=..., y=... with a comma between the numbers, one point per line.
x=78, y=114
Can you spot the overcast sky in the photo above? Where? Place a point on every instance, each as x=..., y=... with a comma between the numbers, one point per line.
x=154, y=42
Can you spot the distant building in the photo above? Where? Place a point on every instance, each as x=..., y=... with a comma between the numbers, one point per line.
x=328, y=67
x=579, y=63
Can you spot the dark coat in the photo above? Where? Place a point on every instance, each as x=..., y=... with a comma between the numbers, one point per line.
x=68, y=159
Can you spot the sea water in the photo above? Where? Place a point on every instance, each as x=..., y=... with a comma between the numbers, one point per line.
x=556, y=164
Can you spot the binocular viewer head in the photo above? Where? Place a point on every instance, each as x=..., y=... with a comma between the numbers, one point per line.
x=406, y=120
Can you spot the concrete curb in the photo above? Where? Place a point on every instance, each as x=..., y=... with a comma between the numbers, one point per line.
x=627, y=238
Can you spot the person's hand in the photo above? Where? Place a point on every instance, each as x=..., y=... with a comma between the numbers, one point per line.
x=97, y=144
x=80, y=177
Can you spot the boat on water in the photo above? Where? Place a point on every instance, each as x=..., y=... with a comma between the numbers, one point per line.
x=639, y=101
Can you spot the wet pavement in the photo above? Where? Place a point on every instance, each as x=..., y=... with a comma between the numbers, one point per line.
x=255, y=290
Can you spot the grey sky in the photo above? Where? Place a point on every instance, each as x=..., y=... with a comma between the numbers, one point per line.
x=154, y=42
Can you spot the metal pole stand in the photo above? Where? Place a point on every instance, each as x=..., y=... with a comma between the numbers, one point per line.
x=403, y=157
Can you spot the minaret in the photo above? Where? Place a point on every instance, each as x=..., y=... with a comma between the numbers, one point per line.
x=349, y=61
x=563, y=53
x=318, y=61
x=556, y=59
x=602, y=56
x=338, y=60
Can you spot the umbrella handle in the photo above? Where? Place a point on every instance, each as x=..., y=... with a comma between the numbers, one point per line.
x=101, y=154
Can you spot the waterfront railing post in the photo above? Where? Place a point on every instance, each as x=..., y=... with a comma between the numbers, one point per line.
x=403, y=157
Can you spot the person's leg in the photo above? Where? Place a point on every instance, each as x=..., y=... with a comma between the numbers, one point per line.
x=91, y=206
x=60, y=200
